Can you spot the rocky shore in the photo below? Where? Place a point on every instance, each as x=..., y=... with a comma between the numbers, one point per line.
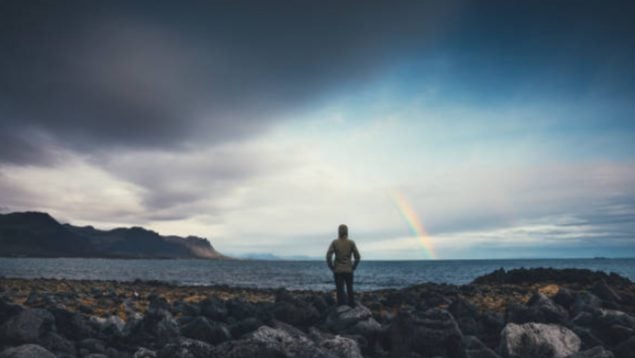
x=517, y=313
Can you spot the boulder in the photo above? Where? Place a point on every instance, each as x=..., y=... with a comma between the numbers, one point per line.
x=474, y=348
x=625, y=349
x=244, y=326
x=292, y=342
x=58, y=344
x=27, y=351
x=154, y=330
x=433, y=332
x=213, y=308
x=107, y=327
x=187, y=348
x=538, y=340
x=341, y=347
x=296, y=312
x=203, y=330
x=27, y=326
x=185, y=309
x=73, y=325
x=539, y=309
x=605, y=292
x=92, y=345
x=585, y=301
x=8, y=309
x=564, y=297
x=595, y=352
x=144, y=353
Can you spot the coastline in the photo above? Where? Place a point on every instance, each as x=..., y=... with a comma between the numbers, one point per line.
x=161, y=317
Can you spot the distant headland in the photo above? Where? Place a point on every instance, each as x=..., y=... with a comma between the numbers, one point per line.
x=37, y=234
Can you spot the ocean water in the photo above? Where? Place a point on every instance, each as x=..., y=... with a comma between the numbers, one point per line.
x=293, y=275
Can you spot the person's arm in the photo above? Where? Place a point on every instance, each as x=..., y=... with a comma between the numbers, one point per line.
x=329, y=256
x=357, y=256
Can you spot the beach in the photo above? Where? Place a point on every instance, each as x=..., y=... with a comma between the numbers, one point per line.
x=515, y=313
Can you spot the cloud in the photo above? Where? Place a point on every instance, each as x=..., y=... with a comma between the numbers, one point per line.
x=94, y=77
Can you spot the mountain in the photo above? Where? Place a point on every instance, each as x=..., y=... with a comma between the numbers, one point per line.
x=40, y=235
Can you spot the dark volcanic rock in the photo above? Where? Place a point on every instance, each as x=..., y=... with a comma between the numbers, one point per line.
x=294, y=311
x=27, y=326
x=585, y=301
x=564, y=297
x=187, y=348
x=26, y=351
x=8, y=310
x=58, y=344
x=595, y=352
x=538, y=340
x=203, y=330
x=72, y=324
x=539, y=309
x=474, y=348
x=625, y=349
x=244, y=326
x=575, y=276
x=213, y=308
x=605, y=292
x=433, y=332
x=155, y=329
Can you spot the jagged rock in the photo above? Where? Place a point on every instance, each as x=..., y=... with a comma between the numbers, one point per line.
x=605, y=292
x=611, y=326
x=58, y=344
x=241, y=309
x=108, y=327
x=244, y=326
x=144, y=353
x=585, y=301
x=294, y=311
x=203, y=330
x=92, y=345
x=595, y=352
x=27, y=351
x=625, y=349
x=462, y=308
x=564, y=297
x=474, y=348
x=72, y=324
x=341, y=347
x=8, y=310
x=155, y=329
x=538, y=340
x=292, y=342
x=539, y=309
x=213, y=308
x=186, y=309
x=433, y=332
x=344, y=317
x=187, y=348
x=27, y=326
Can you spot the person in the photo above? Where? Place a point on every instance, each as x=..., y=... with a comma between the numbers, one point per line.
x=343, y=248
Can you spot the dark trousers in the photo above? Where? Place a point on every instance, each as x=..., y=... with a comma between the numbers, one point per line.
x=342, y=278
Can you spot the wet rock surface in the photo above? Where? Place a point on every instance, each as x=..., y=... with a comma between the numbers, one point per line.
x=517, y=313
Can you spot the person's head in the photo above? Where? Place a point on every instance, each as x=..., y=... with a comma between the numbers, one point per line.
x=342, y=231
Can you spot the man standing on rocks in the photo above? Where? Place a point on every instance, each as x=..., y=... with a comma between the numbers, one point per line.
x=343, y=268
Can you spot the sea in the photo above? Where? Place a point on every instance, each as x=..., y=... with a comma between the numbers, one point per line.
x=292, y=275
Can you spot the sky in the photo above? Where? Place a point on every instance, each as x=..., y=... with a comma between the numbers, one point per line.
x=433, y=129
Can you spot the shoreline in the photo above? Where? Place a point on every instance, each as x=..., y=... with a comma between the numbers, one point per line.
x=125, y=316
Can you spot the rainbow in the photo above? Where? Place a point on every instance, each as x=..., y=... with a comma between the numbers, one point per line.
x=414, y=223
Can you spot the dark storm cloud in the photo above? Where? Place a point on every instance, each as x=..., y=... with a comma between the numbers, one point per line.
x=98, y=74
